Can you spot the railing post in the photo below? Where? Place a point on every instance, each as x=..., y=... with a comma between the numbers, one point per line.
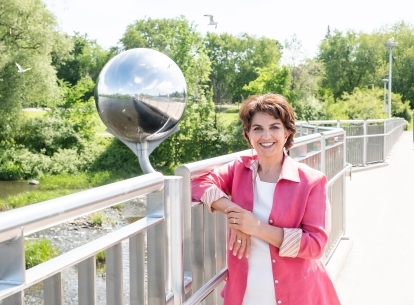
x=12, y=267
x=53, y=290
x=156, y=255
x=323, y=154
x=385, y=141
x=86, y=281
x=173, y=195
x=365, y=144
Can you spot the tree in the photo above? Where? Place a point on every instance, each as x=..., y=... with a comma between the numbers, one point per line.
x=361, y=104
x=28, y=36
x=87, y=58
x=235, y=62
x=178, y=39
x=351, y=60
x=403, y=59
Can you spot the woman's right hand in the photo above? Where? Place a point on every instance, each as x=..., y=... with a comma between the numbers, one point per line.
x=239, y=243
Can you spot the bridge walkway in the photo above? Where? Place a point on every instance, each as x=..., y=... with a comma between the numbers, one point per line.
x=379, y=268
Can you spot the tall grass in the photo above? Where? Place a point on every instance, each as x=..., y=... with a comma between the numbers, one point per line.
x=38, y=251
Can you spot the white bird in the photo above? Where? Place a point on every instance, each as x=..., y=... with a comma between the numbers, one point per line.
x=21, y=70
x=391, y=39
x=212, y=22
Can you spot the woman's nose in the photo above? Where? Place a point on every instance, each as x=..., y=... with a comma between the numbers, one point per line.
x=265, y=133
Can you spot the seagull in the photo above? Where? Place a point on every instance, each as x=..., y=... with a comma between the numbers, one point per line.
x=21, y=70
x=212, y=22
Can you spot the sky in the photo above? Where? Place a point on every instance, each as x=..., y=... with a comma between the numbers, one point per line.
x=308, y=20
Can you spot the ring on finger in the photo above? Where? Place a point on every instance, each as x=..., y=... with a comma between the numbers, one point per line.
x=239, y=241
x=234, y=220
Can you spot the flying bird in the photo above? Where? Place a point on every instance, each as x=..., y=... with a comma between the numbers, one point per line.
x=391, y=39
x=212, y=22
x=20, y=68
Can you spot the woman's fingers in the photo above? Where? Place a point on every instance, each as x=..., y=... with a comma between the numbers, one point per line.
x=233, y=209
x=239, y=243
x=232, y=239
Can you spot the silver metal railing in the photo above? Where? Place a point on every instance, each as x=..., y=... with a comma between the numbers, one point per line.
x=367, y=141
x=177, y=253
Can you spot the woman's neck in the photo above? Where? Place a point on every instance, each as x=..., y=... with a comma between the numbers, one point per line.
x=269, y=170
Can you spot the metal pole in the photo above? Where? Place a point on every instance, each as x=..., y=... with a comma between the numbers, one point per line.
x=389, y=84
x=384, y=107
x=390, y=44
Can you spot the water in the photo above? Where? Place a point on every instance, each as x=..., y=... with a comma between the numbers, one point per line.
x=8, y=188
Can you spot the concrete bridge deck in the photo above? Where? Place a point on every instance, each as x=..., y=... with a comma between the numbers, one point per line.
x=379, y=268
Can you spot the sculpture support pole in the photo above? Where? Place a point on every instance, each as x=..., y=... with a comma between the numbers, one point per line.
x=145, y=148
x=143, y=158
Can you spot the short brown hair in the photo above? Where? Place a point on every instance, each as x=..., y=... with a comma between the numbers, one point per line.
x=274, y=104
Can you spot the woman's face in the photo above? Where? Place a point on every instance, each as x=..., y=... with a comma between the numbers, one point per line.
x=267, y=135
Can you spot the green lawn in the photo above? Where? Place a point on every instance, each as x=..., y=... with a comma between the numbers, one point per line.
x=33, y=113
x=227, y=114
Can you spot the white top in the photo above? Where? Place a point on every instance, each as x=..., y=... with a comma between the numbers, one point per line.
x=260, y=286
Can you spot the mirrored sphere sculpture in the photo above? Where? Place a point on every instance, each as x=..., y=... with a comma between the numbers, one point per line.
x=141, y=95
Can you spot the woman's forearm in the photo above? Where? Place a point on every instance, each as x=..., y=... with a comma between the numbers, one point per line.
x=222, y=204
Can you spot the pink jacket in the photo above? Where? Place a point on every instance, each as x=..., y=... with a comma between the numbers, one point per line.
x=301, y=207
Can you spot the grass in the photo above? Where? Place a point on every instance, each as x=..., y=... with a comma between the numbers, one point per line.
x=227, y=114
x=54, y=186
x=34, y=113
x=100, y=259
x=97, y=219
x=81, y=181
x=28, y=198
x=38, y=251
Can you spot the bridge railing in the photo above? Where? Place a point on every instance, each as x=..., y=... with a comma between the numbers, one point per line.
x=367, y=141
x=151, y=271
x=177, y=253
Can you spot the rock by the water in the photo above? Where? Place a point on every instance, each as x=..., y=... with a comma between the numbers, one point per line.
x=33, y=182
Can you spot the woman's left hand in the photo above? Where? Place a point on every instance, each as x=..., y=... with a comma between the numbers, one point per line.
x=241, y=219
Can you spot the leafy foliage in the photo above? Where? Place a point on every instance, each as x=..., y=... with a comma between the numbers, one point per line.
x=236, y=61
x=178, y=39
x=28, y=36
x=38, y=251
x=351, y=60
x=47, y=135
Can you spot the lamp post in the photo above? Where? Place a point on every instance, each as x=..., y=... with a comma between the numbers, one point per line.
x=390, y=44
x=385, y=81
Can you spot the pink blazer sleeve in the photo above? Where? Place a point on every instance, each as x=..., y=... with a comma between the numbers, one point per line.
x=315, y=222
x=220, y=178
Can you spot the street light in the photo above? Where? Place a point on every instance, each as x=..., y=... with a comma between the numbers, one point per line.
x=390, y=44
x=385, y=81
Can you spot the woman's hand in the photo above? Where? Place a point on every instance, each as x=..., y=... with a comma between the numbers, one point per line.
x=239, y=243
x=242, y=220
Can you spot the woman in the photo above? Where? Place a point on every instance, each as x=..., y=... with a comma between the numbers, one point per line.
x=278, y=213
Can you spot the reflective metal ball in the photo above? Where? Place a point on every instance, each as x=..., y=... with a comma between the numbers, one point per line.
x=141, y=94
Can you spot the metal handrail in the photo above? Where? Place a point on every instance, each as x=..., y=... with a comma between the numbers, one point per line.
x=33, y=218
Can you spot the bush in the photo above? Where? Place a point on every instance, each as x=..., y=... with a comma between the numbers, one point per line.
x=38, y=251
x=47, y=135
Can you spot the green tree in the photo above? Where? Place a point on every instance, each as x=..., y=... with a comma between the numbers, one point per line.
x=28, y=36
x=403, y=59
x=271, y=79
x=178, y=39
x=87, y=58
x=236, y=60
x=351, y=60
x=361, y=104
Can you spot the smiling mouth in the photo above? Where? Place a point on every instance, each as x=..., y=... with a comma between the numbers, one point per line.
x=267, y=144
